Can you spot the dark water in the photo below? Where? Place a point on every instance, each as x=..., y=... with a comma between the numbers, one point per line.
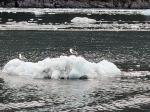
x=11, y=19
x=128, y=50
x=62, y=18
x=128, y=93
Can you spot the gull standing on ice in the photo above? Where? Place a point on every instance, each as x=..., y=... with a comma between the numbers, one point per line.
x=22, y=57
x=73, y=52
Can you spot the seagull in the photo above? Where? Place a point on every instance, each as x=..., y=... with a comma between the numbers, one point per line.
x=73, y=52
x=22, y=57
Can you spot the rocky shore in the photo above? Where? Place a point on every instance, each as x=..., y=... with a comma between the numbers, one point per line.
x=120, y=4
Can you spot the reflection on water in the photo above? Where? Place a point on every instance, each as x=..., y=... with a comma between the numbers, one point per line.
x=120, y=94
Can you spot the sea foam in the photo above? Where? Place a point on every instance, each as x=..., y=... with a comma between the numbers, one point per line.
x=64, y=67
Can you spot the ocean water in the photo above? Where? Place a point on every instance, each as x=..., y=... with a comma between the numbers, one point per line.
x=128, y=92
x=127, y=49
x=60, y=19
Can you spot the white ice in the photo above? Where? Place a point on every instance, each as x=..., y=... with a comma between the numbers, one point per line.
x=88, y=11
x=84, y=20
x=146, y=12
x=67, y=67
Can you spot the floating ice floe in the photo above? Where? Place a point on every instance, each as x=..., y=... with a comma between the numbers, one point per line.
x=84, y=20
x=88, y=11
x=146, y=12
x=64, y=67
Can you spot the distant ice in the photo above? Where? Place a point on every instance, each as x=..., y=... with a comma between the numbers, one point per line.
x=78, y=23
x=84, y=26
x=66, y=67
x=83, y=20
x=146, y=12
x=39, y=11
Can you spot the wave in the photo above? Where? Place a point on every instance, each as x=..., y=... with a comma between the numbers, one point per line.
x=64, y=67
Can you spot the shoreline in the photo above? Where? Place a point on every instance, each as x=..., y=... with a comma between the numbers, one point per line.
x=118, y=4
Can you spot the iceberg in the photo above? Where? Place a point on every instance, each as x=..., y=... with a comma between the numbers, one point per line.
x=83, y=20
x=63, y=67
